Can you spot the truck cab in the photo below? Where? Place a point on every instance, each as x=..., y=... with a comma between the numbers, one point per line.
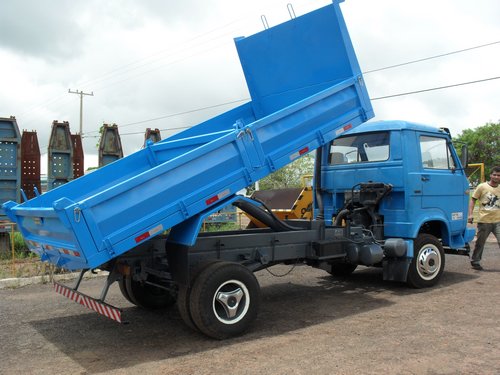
x=398, y=180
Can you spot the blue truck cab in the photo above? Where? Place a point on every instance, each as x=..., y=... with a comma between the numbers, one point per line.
x=402, y=180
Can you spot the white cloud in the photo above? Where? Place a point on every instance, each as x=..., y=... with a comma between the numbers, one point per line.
x=145, y=60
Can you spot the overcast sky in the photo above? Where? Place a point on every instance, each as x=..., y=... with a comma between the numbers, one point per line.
x=153, y=59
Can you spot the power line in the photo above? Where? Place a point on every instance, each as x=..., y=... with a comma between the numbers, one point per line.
x=170, y=61
x=435, y=88
x=177, y=114
x=431, y=57
x=199, y=39
x=142, y=132
x=246, y=99
x=130, y=66
x=186, y=45
x=366, y=72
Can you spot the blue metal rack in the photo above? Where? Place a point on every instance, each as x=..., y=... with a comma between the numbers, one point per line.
x=60, y=159
x=10, y=162
x=110, y=145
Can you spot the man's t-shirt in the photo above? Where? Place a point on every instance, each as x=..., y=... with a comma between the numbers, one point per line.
x=489, y=203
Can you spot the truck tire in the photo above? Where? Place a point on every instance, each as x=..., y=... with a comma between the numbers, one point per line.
x=428, y=261
x=224, y=300
x=184, y=295
x=183, y=301
x=342, y=269
x=148, y=296
x=123, y=289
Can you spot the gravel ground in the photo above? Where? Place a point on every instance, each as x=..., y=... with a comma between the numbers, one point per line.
x=309, y=323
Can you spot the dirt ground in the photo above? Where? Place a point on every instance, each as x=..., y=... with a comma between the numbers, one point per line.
x=309, y=323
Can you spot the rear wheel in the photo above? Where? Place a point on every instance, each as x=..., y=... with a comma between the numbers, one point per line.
x=183, y=299
x=427, y=264
x=224, y=300
x=148, y=296
x=184, y=295
x=123, y=289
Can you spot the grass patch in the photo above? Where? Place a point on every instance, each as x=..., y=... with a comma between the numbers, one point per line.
x=28, y=266
x=24, y=263
x=219, y=227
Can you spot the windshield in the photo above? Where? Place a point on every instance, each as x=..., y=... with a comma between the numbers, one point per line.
x=360, y=148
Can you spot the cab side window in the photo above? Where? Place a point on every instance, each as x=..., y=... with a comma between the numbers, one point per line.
x=435, y=153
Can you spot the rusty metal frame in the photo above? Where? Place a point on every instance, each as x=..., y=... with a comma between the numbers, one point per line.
x=78, y=156
x=152, y=135
x=30, y=163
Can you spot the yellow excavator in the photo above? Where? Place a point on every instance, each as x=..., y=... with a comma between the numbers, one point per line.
x=475, y=173
x=287, y=203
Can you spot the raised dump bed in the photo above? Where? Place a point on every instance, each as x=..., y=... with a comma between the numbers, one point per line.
x=306, y=88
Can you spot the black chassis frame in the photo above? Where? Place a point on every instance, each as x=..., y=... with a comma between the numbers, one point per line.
x=170, y=263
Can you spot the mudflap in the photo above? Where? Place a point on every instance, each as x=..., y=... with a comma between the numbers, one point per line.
x=396, y=269
x=97, y=305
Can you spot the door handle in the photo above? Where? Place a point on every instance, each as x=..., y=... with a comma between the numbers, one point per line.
x=425, y=178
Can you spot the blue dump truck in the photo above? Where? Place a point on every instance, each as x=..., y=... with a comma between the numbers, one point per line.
x=386, y=194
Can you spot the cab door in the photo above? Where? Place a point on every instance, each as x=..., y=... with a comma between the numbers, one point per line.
x=444, y=185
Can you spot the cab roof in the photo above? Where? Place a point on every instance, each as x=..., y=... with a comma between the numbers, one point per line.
x=394, y=125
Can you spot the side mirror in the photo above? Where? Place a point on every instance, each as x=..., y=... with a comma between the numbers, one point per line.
x=464, y=158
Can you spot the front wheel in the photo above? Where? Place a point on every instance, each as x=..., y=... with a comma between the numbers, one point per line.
x=224, y=300
x=427, y=264
x=342, y=269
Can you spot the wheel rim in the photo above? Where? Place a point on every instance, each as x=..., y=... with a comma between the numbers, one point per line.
x=428, y=262
x=231, y=302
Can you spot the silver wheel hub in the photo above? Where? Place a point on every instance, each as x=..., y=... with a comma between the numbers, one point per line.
x=428, y=262
x=231, y=302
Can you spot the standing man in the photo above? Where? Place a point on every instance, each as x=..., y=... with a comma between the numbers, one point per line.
x=488, y=195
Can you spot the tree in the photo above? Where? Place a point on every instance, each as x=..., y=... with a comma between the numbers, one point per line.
x=290, y=175
x=483, y=144
x=101, y=130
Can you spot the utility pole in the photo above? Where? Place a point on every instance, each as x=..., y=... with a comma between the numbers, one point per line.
x=81, y=93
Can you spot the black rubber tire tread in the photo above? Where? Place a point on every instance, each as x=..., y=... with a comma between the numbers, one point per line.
x=183, y=299
x=123, y=289
x=342, y=269
x=184, y=294
x=148, y=296
x=203, y=291
x=414, y=279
